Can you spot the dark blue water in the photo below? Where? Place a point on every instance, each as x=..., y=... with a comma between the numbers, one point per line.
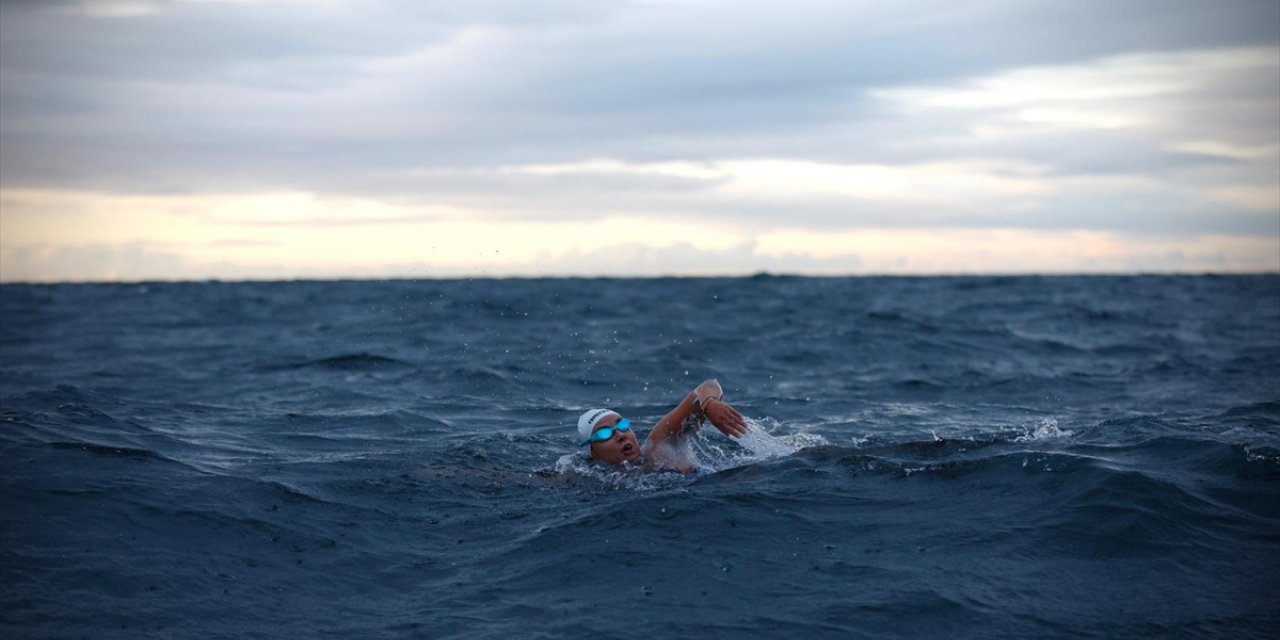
x=931, y=457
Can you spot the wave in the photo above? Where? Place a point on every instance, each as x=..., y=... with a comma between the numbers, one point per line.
x=1267, y=409
x=128, y=453
x=360, y=362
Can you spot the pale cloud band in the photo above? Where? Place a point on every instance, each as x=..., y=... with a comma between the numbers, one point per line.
x=633, y=139
x=281, y=235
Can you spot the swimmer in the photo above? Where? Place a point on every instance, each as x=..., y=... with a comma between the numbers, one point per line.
x=613, y=442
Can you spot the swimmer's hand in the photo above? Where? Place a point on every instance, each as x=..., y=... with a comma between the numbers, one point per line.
x=704, y=402
x=724, y=417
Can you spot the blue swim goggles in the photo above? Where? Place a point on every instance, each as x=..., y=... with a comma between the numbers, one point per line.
x=606, y=433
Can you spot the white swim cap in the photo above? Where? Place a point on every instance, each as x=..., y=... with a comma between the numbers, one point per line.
x=590, y=418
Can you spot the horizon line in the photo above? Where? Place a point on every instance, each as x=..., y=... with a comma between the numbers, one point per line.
x=759, y=275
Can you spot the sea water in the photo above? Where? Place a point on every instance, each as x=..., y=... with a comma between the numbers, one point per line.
x=971, y=457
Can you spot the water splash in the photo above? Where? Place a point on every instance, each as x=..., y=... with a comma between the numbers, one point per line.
x=711, y=451
x=1043, y=430
x=625, y=477
x=762, y=444
x=719, y=453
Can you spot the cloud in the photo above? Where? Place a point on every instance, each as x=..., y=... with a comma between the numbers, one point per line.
x=785, y=251
x=283, y=121
x=98, y=262
x=686, y=259
x=180, y=98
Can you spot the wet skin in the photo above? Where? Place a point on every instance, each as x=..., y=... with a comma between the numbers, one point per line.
x=622, y=447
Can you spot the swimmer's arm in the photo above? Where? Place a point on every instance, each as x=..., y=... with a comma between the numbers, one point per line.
x=707, y=399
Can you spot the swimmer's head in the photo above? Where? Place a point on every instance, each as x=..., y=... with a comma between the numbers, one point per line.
x=590, y=418
x=621, y=445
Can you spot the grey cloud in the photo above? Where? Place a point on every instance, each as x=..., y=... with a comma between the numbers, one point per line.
x=195, y=42
x=1115, y=209
x=226, y=97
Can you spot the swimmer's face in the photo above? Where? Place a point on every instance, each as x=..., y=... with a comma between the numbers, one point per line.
x=622, y=447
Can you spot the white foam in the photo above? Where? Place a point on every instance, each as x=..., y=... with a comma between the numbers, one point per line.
x=627, y=476
x=762, y=444
x=758, y=444
x=1043, y=430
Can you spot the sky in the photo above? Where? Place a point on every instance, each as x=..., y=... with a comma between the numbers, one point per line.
x=178, y=140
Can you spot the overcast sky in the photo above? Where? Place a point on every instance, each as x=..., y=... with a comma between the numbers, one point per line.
x=142, y=139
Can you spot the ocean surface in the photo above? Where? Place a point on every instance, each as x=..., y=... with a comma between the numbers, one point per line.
x=967, y=457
